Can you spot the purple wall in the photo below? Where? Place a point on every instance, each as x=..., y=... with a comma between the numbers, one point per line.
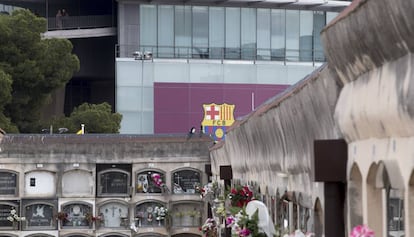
x=179, y=106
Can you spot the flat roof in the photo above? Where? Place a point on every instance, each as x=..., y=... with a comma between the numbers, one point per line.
x=315, y=5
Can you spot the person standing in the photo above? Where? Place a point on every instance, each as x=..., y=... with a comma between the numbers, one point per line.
x=59, y=19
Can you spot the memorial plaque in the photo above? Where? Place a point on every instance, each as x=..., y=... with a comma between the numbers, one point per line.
x=185, y=181
x=39, y=215
x=114, y=215
x=8, y=183
x=114, y=183
x=76, y=215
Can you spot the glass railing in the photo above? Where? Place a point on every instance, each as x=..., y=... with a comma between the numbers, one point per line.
x=214, y=53
x=80, y=22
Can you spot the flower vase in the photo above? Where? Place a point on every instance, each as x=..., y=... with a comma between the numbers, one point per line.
x=15, y=225
x=159, y=222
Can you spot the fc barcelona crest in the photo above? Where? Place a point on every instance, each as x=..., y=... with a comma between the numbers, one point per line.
x=217, y=118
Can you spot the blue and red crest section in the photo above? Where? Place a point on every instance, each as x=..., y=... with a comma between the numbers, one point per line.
x=217, y=119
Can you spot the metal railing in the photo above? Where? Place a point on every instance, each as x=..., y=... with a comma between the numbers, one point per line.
x=214, y=53
x=80, y=22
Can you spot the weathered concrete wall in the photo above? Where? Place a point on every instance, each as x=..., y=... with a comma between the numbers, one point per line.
x=367, y=35
x=102, y=148
x=274, y=145
x=379, y=103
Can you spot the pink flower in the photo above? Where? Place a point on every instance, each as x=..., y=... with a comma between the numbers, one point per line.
x=230, y=221
x=244, y=232
x=362, y=231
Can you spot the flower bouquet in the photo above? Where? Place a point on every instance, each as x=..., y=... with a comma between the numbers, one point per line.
x=160, y=213
x=240, y=196
x=13, y=217
x=362, y=231
x=209, y=228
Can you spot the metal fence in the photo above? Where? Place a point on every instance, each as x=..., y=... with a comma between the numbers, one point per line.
x=80, y=22
x=252, y=54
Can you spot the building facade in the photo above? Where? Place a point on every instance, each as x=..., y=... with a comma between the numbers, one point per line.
x=202, y=52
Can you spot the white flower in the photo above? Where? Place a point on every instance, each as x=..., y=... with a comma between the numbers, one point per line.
x=13, y=211
x=10, y=218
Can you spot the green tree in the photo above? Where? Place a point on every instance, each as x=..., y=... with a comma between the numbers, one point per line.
x=37, y=66
x=98, y=118
x=5, y=98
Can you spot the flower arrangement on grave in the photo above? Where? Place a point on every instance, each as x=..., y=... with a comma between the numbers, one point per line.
x=13, y=217
x=90, y=218
x=243, y=225
x=62, y=216
x=362, y=231
x=202, y=191
x=209, y=228
x=239, y=196
x=160, y=213
x=156, y=178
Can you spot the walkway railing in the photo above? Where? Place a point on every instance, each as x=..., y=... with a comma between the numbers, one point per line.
x=251, y=54
x=80, y=22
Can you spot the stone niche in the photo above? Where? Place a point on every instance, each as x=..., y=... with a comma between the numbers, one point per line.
x=145, y=183
x=114, y=215
x=146, y=214
x=77, y=183
x=185, y=181
x=8, y=183
x=40, y=183
x=5, y=211
x=76, y=215
x=113, y=180
x=40, y=214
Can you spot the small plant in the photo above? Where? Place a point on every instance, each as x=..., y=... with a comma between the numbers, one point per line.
x=62, y=216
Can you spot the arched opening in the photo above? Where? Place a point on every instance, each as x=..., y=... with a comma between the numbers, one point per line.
x=410, y=203
x=393, y=188
x=318, y=218
x=374, y=202
x=355, y=197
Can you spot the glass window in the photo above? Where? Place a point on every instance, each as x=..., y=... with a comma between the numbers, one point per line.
x=216, y=29
x=263, y=34
x=395, y=212
x=318, y=24
x=232, y=50
x=150, y=214
x=185, y=181
x=278, y=31
x=292, y=35
x=8, y=183
x=248, y=33
x=148, y=27
x=165, y=31
x=150, y=182
x=182, y=31
x=113, y=182
x=76, y=215
x=305, y=36
x=200, y=32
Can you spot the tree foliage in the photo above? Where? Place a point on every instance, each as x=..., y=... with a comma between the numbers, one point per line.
x=36, y=66
x=98, y=118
